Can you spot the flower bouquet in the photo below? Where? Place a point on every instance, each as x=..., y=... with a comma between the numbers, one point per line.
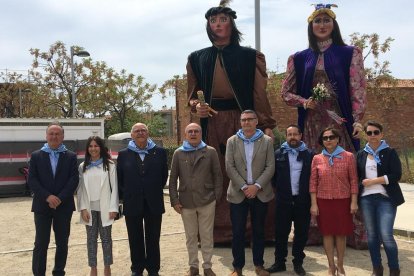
x=320, y=92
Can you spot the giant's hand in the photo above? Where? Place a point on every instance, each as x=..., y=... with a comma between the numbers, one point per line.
x=358, y=129
x=202, y=110
x=310, y=103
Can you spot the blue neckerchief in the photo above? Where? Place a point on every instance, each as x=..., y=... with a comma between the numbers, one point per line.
x=186, y=146
x=302, y=147
x=53, y=154
x=150, y=145
x=336, y=154
x=382, y=146
x=256, y=136
x=96, y=163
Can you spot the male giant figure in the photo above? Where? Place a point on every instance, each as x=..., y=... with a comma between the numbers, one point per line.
x=53, y=178
x=250, y=166
x=292, y=172
x=233, y=78
x=197, y=167
x=142, y=174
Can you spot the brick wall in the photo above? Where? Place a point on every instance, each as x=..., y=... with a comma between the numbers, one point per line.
x=393, y=107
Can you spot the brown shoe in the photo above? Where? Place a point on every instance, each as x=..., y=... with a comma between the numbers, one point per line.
x=193, y=271
x=260, y=271
x=209, y=272
x=236, y=272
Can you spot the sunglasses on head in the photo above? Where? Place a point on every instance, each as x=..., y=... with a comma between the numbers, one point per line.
x=375, y=132
x=329, y=138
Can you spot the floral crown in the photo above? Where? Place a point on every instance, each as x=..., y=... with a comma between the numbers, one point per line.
x=222, y=8
x=322, y=8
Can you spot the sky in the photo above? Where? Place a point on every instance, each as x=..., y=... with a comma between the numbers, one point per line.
x=153, y=38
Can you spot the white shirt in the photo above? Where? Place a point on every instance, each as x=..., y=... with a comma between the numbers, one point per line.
x=371, y=172
x=94, y=179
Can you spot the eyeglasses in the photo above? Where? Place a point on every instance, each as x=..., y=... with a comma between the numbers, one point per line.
x=140, y=130
x=329, y=138
x=248, y=119
x=195, y=131
x=371, y=133
x=325, y=20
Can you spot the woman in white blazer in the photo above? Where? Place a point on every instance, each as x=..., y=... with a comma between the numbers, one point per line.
x=98, y=200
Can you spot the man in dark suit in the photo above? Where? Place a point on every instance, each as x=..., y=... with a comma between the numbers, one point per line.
x=292, y=172
x=142, y=174
x=53, y=178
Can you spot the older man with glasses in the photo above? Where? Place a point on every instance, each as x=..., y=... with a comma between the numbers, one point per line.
x=142, y=174
x=197, y=167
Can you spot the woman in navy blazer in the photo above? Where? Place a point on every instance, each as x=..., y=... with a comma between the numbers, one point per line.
x=379, y=170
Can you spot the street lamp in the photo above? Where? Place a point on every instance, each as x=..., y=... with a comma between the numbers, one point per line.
x=257, y=23
x=79, y=54
x=20, y=100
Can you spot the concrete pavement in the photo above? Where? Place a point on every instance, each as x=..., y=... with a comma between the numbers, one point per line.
x=404, y=222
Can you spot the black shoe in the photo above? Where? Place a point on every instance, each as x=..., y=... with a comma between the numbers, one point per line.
x=276, y=268
x=133, y=273
x=299, y=270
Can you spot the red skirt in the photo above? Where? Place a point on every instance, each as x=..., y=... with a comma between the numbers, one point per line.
x=335, y=217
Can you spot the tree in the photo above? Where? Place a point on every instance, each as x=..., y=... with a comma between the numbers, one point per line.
x=177, y=86
x=156, y=125
x=51, y=73
x=125, y=93
x=372, y=47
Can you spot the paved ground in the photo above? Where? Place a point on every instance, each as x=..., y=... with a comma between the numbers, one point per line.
x=17, y=235
x=404, y=222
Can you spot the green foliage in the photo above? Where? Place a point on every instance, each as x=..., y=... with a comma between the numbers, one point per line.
x=170, y=152
x=99, y=90
x=280, y=137
x=407, y=162
x=125, y=94
x=156, y=126
x=274, y=83
x=175, y=86
x=10, y=85
x=51, y=73
x=371, y=46
x=112, y=125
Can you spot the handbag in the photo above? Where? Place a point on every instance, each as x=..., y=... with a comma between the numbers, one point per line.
x=120, y=206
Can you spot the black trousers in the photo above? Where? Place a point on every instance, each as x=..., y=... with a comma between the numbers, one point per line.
x=285, y=214
x=238, y=215
x=61, y=227
x=144, y=241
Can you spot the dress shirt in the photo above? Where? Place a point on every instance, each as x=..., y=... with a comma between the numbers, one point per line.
x=295, y=171
x=248, y=150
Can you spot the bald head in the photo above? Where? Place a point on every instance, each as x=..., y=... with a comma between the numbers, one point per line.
x=192, y=126
x=193, y=134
